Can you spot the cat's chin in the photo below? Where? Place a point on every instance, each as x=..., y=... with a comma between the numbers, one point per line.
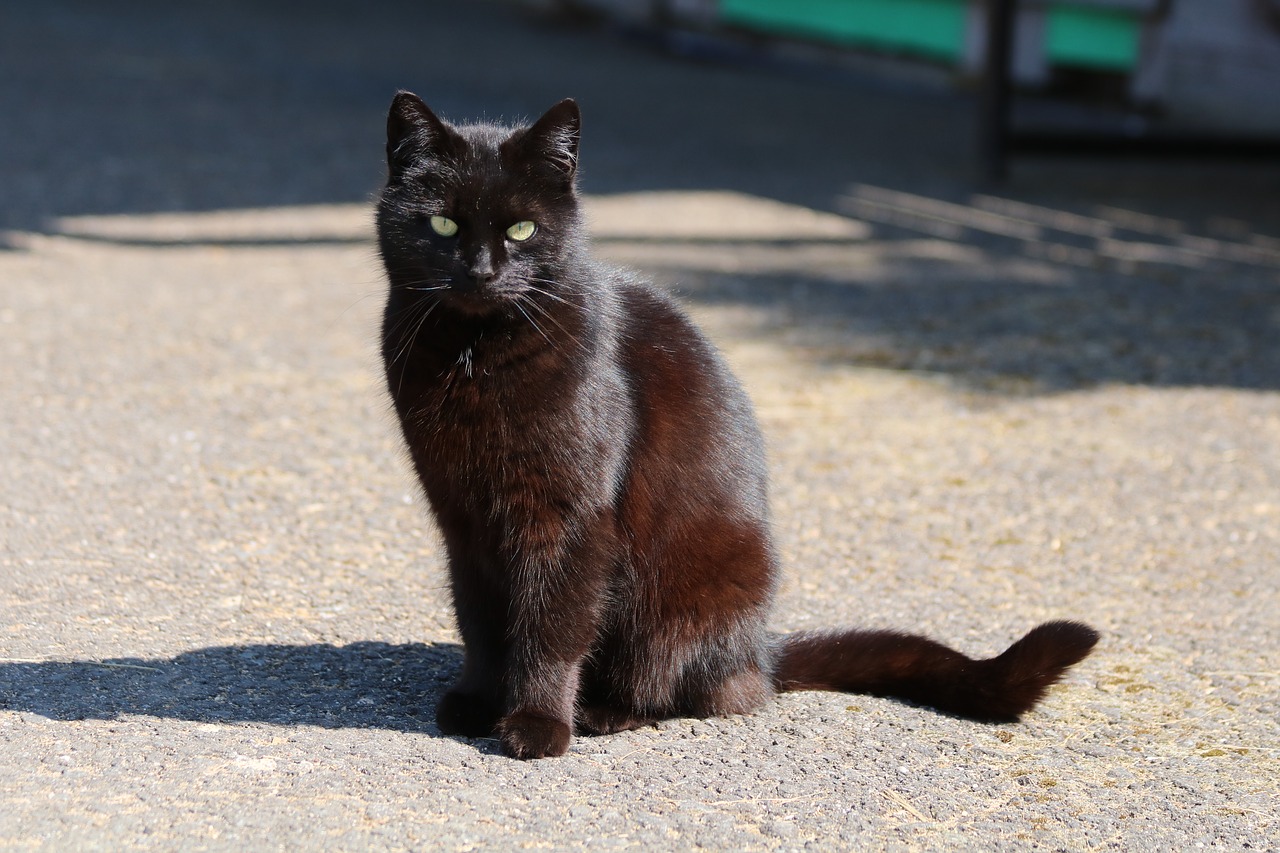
x=477, y=304
x=483, y=304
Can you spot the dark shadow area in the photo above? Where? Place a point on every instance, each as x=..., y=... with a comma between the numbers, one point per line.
x=361, y=685
x=1002, y=296
x=142, y=106
x=1166, y=274
x=995, y=336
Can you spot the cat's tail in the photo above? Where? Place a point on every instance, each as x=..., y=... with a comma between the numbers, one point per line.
x=905, y=666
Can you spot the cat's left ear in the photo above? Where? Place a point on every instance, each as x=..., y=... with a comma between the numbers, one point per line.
x=553, y=139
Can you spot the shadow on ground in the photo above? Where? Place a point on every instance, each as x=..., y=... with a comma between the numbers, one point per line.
x=997, y=294
x=1020, y=338
x=361, y=685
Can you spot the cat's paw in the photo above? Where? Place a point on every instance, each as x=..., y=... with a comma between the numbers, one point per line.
x=527, y=735
x=607, y=720
x=467, y=714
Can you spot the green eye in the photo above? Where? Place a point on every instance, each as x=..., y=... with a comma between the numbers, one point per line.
x=521, y=231
x=444, y=226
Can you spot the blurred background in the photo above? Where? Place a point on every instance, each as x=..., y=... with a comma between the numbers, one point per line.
x=829, y=162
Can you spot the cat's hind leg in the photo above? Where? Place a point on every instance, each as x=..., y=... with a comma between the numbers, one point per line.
x=740, y=693
x=604, y=719
x=621, y=687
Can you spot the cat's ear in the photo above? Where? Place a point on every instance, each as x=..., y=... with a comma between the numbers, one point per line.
x=553, y=140
x=413, y=131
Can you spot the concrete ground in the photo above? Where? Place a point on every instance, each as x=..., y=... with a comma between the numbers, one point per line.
x=222, y=616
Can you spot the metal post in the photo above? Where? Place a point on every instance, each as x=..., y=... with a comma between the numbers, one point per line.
x=993, y=128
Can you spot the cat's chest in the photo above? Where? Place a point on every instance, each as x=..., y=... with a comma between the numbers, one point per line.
x=496, y=442
x=476, y=387
x=477, y=408
x=489, y=445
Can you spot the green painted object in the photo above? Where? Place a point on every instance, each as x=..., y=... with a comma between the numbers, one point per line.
x=1080, y=36
x=1092, y=38
x=932, y=28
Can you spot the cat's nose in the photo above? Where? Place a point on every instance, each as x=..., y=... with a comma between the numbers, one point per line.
x=481, y=269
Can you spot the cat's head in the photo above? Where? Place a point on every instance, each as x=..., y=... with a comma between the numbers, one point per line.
x=481, y=216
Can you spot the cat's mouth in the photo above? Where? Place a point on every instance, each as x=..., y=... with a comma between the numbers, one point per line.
x=478, y=301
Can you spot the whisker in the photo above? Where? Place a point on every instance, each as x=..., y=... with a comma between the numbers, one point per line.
x=403, y=367
x=517, y=302
x=405, y=319
x=551, y=318
x=414, y=314
x=547, y=293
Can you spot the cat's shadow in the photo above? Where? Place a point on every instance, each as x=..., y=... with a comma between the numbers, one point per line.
x=361, y=685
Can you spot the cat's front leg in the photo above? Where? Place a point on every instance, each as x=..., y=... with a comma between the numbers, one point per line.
x=468, y=714
x=472, y=706
x=475, y=702
x=558, y=611
x=544, y=687
x=531, y=734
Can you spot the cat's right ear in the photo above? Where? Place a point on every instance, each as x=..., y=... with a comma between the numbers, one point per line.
x=551, y=144
x=413, y=131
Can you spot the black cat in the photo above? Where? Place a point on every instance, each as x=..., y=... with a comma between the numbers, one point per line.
x=597, y=472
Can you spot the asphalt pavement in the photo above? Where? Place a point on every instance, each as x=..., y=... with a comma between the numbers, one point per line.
x=223, y=622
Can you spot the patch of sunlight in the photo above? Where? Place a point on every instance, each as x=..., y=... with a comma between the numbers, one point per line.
x=705, y=215
x=713, y=215
x=315, y=223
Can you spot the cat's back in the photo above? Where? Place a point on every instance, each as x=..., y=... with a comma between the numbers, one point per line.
x=694, y=420
x=666, y=351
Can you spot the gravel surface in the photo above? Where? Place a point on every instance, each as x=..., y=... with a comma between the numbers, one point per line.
x=222, y=619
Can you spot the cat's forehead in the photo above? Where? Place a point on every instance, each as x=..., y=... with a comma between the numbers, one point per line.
x=480, y=164
x=485, y=138
x=480, y=174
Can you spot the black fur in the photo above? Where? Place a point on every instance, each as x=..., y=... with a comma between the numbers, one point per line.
x=597, y=472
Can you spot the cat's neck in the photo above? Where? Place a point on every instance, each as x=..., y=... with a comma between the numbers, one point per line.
x=448, y=337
